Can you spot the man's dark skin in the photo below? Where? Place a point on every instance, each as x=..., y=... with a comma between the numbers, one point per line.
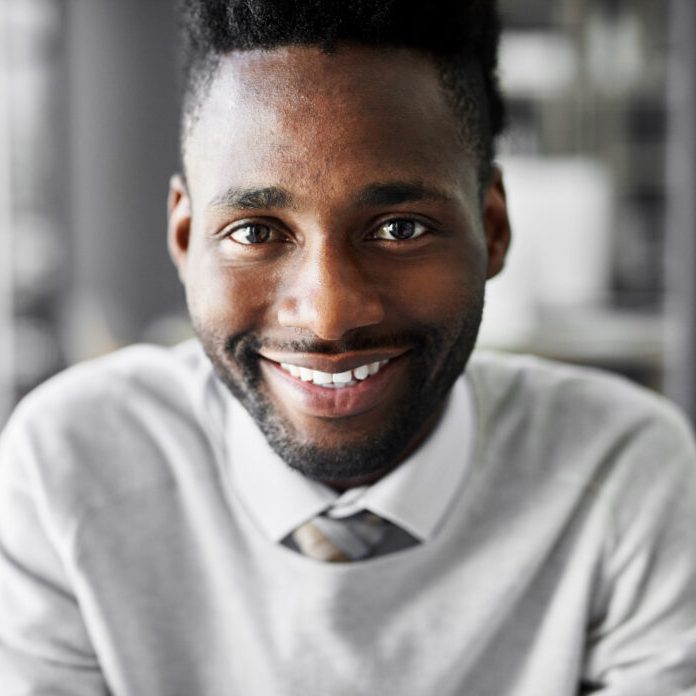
x=322, y=160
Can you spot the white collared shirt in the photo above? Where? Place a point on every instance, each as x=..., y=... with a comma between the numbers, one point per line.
x=416, y=495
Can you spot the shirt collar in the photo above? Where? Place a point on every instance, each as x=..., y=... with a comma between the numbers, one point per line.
x=415, y=496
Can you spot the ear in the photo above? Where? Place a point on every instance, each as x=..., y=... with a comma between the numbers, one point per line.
x=496, y=223
x=179, y=223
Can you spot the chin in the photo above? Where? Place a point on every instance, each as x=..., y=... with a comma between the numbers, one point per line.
x=439, y=358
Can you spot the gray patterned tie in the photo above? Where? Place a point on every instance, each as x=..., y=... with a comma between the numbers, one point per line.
x=359, y=536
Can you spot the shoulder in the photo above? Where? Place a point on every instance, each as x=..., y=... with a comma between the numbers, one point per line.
x=109, y=427
x=588, y=419
x=139, y=369
x=525, y=387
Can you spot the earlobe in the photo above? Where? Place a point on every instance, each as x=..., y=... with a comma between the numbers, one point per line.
x=496, y=224
x=179, y=223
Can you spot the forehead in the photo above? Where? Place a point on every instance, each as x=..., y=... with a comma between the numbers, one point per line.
x=307, y=119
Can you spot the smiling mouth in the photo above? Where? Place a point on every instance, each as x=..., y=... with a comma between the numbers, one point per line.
x=334, y=380
x=333, y=386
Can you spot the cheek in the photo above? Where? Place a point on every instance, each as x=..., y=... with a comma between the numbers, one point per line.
x=442, y=291
x=226, y=299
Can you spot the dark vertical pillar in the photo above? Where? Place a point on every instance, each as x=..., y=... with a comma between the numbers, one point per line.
x=681, y=218
x=6, y=326
x=123, y=94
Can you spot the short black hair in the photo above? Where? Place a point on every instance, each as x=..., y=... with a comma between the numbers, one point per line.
x=460, y=35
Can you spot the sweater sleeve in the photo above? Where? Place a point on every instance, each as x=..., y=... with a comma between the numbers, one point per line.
x=643, y=642
x=44, y=644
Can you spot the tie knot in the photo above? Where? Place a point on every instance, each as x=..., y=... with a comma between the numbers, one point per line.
x=351, y=538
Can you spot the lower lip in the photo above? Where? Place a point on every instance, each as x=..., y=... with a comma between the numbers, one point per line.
x=330, y=402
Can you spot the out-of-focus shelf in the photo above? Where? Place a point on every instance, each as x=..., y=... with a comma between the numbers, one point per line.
x=630, y=343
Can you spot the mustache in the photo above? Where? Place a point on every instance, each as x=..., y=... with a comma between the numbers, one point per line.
x=245, y=344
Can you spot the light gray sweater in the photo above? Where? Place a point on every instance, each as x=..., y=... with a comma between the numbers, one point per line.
x=128, y=566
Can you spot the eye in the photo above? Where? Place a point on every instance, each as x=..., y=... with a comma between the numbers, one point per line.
x=252, y=233
x=399, y=230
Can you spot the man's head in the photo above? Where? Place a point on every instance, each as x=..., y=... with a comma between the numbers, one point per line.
x=338, y=219
x=460, y=36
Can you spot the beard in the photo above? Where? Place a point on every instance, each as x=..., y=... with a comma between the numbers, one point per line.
x=437, y=356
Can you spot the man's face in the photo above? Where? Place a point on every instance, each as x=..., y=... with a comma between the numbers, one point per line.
x=334, y=249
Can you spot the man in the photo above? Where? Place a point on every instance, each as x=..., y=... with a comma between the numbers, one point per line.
x=323, y=494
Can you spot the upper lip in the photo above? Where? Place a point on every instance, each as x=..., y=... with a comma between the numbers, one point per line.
x=332, y=363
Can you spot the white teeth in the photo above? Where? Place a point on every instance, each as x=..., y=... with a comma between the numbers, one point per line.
x=336, y=379
x=362, y=372
x=321, y=377
x=294, y=370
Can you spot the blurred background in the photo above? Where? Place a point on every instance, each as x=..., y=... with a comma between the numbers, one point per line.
x=599, y=160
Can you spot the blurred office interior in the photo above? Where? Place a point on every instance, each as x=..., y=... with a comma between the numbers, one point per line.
x=599, y=160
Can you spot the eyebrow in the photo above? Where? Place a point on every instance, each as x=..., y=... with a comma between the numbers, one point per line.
x=252, y=198
x=386, y=193
x=395, y=192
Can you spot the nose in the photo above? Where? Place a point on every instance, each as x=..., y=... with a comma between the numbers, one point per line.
x=329, y=294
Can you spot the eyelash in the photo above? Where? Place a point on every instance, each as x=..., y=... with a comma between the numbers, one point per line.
x=419, y=229
x=229, y=234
